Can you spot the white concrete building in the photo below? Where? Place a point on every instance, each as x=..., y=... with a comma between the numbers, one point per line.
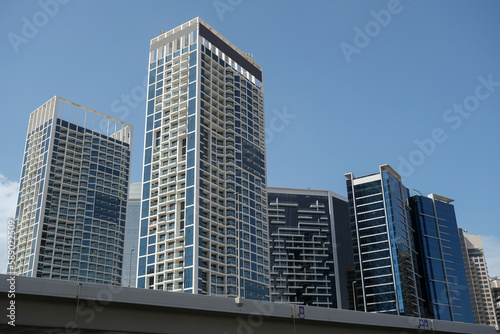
x=203, y=218
x=479, y=285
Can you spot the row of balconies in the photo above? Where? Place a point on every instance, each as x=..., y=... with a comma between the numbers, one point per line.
x=176, y=265
x=222, y=93
x=111, y=249
x=47, y=265
x=169, y=287
x=177, y=180
x=170, y=277
x=179, y=78
x=287, y=292
x=163, y=227
x=178, y=255
x=175, y=102
x=175, y=83
x=58, y=170
x=78, y=153
x=215, y=267
x=218, y=80
x=162, y=245
x=217, y=173
x=213, y=66
x=171, y=127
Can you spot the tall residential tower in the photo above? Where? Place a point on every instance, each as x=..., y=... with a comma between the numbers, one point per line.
x=495, y=291
x=479, y=286
x=70, y=217
x=204, y=223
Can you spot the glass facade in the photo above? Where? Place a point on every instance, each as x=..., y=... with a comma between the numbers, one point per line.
x=70, y=217
x=203, y=213
x=383, y=245
x=444, y=281
x=309, y=258
x=495, y=290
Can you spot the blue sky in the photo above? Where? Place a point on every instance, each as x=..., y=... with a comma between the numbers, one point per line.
x=349, y=85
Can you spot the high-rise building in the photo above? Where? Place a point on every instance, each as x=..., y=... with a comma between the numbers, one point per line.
x=310, y=248
x=468, y=274
x=204, y=223
x=132, y=235
x=495, y=290
x=70, y=217
x=444, y=283
x=479, y=288
x=384, y=251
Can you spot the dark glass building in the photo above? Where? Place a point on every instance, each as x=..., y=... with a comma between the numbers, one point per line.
x=384, y=251
x=310, y=256
x=443, y=276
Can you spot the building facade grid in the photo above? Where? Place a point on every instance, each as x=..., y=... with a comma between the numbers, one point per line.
x=384, y=252
x=495, y=290
x=444, y=283
x=71, y=209
x=479, y=286
x=204, y=213
x=307, y=233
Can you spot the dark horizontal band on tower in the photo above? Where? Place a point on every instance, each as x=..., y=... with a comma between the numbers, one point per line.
x=218, y=42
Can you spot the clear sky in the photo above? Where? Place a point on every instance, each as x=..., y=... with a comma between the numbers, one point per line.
x=349, y=85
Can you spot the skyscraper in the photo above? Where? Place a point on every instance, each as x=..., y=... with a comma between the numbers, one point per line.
x=311, y=252
x=480, y=290
x=384, y=251
x=204, y=223
x=70, y=217
x=444, y=283
x=495, y=290
x=132, y=235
